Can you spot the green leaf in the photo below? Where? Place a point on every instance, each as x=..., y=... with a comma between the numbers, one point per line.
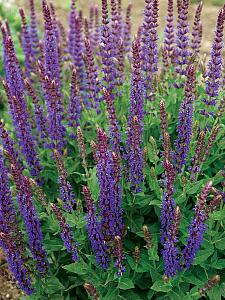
x=53, y=245
x=112, y=294
x=218, y=215
x=202, y=256
x=220, y=244
x=125, y=283
x=161, y=286
x=193, y=188
x=220, y=264
x=130, y=295
x=52, y=285
x=77, y=268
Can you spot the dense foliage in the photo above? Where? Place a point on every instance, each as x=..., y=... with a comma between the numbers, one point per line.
x=112, y=156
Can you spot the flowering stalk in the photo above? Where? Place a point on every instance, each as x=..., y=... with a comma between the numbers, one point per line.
x=150, y=46
x=40, y=118
x=147, y=237
x=9, y=146
x=106, y=198
x=185, y=121
x=66, y=233
x=96, y=34
x=106, y=50
x=77, y=55
x=51, y=55
x=71, y=30
x=209, y=285
x=134, y=152
x=119, y=256
x=117, y=191
x=169, y=224
x=211, y=141
x=26, y=44
x=136, y=254
x=8, y=219
x=127, y=30
x=115, y=38
x=182, y=40
x=23, y=129
x=74, y=109
x=56, y=129
x=169, y=39
x=197, y=30
x=92, y=76
x=55, y=22
x=164, y=129
x=63, y=42
x=16, y=263
x=134, y=156
x=51, y=81
x=215, y=64
x=65, y=187
x=91, y=290
x=34, y=32
x=197, y=158
x=115, y=138
x=196, y=229
x=94, y=231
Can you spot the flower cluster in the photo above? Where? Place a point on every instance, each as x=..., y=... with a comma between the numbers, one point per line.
x=197, y=228
x=185, y=121
x=66, y=234
x=134, y=152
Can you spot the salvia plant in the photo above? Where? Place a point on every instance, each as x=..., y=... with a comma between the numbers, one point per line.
x=112, y=155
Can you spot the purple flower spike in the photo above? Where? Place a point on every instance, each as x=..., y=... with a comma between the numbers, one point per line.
x=72, y=26
x=134, y=156
x=15, y=263
x=127, y=30
x=116, y=186
x=66, y=234
x=9, y=146
x=8, y=219
x=65, y=187
x=40, y=118
x=34, y=32
x=94, y=231
x=92, y=76
x=32, y=223
x=197, y=30
x=215, y=64
x=96, y=37
x=23, y=131
x=150, y=46
x=74, y=110
x=119, y=256
x=106, y=198
x=182, y=53
x=169, y=224
x=115, y=138
x=197, y=228
x=51, y=55
x=56, y=129
x=106, y=50
x=169, y=31
x=185, y=121
x=26, y=44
